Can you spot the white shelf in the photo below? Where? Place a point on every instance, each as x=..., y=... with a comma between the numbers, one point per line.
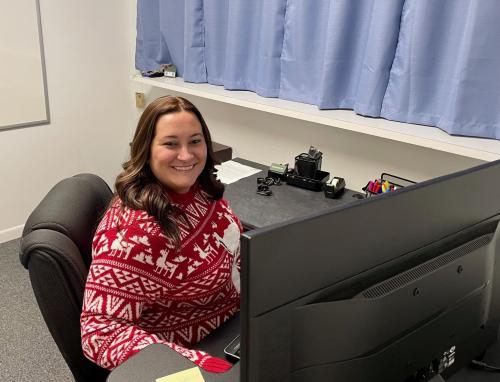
x=423, y=136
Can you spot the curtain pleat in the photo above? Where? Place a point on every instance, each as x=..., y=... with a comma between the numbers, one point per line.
x=195, y=69
x=151, y=49
x=254, y=39
x=378, y=50
x=446, y=71
x=419, y=61
x=338, y=54
x=216, y=23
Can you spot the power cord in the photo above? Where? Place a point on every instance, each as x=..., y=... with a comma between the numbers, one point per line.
x=484, y=366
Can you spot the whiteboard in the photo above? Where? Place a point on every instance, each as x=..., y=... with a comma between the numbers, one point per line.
x=23, y=90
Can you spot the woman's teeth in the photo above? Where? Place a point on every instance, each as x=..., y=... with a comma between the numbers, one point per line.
x=183, y=168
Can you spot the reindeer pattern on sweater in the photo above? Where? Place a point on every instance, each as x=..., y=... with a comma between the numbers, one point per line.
x=143, y=289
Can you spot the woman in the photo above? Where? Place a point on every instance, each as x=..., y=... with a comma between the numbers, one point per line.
x=165, y=257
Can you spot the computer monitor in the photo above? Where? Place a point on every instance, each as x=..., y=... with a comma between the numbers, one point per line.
x=396, y=287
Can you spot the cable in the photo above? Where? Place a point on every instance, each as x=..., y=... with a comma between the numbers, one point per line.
x=485, y=366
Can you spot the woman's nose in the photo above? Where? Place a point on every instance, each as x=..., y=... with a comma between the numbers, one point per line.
x=184, y=153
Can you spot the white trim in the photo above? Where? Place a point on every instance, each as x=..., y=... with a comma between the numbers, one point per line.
x=11, y=233
x=419, y=135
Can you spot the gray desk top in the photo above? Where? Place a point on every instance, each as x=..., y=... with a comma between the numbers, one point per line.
x=286, y=202
x=156, y=361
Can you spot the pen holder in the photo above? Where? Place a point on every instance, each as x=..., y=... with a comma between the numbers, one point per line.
x=306, y=167
x=386, y=183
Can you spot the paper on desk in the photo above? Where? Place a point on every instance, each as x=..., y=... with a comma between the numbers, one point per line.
x=231, y=171
x=189, y=375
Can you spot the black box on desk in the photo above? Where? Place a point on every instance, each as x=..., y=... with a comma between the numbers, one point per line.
x=222, y=152
x=313, y=184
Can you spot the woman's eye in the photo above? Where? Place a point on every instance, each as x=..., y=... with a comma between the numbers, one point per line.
x=196, y=141
x=170, y=144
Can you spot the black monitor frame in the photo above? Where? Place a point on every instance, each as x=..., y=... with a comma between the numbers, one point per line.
x=338, y=253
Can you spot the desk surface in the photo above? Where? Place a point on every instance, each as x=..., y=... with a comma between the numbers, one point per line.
x=255, y=211
x=286, y=202
x=157, y=361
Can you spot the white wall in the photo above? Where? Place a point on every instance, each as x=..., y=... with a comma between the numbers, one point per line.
x=89, y=56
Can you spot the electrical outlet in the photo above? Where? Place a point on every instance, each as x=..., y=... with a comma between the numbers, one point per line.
x=140, y=100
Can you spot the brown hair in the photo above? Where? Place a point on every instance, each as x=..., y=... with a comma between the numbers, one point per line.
x=136, y=185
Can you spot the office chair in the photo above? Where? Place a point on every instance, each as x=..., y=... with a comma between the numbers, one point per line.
x=56, y=250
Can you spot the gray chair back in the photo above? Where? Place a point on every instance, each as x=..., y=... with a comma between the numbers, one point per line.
x=56, y=250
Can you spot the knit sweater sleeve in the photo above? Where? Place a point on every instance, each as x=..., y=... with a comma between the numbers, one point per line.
x=115, y=295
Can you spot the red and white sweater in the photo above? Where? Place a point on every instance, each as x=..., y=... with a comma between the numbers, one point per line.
x=141, y=290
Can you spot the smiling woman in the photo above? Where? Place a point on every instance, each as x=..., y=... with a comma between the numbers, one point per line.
x=23, y=93
x=165, y=257
x=146, y=178
x=178, y=151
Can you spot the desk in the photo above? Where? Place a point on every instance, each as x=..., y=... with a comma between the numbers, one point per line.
x=156, y=361
x=255, y=211
x=286, y=202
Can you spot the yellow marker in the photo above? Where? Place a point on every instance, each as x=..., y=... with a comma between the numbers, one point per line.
x=189, y=375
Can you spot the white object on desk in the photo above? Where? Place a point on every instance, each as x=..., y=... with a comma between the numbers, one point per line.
x=231, y=171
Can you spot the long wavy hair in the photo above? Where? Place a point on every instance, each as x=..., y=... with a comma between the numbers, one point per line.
x=136, y=185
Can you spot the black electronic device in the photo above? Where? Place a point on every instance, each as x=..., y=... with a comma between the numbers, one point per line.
x=394, y=288
x=152, y=73
x=278, y=170
x=232, y=350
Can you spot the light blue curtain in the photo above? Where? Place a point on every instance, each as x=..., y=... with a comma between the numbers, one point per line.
x=338, y=54
x=243, y=44
x=432, y=62
x=446, y=70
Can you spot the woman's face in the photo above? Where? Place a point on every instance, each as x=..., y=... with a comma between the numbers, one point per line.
x=178, y=151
